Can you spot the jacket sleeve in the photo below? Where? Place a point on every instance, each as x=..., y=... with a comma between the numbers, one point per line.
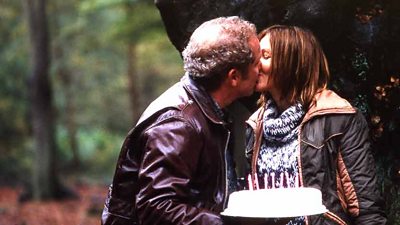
x=363, y=198
x=172, y=151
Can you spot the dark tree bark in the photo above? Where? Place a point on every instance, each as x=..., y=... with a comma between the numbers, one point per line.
x=327, y=19
x=45, y=183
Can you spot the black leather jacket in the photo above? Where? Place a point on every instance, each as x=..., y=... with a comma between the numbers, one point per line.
x=172, y=169
x=335, y=157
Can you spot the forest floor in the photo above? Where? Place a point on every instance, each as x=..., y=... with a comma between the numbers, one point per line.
x=85, y=210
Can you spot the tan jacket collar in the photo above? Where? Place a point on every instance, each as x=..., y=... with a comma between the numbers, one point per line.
x=327, y=102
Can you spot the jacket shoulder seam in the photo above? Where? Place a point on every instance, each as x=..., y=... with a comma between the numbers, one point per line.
x=323, y=144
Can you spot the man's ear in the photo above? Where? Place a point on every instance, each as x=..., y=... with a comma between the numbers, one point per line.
x=234, y=76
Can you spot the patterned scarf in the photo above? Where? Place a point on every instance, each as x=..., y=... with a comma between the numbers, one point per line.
x=277, y=164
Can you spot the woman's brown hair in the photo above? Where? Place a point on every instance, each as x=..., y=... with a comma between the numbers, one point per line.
x=299, y=67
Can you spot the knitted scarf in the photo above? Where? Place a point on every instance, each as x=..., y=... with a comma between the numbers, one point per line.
x=277, y=164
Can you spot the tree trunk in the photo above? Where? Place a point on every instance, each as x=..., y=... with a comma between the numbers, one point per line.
x=45, y=181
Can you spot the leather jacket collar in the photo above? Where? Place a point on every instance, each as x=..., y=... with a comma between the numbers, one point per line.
x=202, y=98
x=170, y=99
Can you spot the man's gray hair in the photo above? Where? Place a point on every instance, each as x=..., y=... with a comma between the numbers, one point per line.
x=219, y=45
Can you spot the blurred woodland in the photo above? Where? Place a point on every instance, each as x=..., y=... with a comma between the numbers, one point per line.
x=75, y=76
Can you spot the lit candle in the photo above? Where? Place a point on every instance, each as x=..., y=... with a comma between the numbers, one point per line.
x=250, y=182
x=273, y=180
x=256, y=181
x=287, y=179
x=265, y=180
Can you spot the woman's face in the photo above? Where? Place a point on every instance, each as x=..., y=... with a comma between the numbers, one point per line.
x=264, y=83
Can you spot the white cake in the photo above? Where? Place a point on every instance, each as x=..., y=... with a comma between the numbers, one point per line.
x=275, y=203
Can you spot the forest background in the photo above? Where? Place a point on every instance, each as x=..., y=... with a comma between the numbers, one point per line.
x=74, y=78
x=91, y=67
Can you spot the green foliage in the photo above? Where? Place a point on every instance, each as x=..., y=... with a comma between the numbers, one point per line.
x=14, y=158
x=101, y=149
x=89, y=41
x=16, y=162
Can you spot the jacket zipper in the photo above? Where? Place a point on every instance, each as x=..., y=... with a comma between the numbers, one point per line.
x=226, y=170
x=300, y=165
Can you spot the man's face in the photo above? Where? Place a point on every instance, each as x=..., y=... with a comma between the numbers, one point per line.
x=248, y=81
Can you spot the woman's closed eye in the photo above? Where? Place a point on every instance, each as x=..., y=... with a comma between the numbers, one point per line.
x=265, y=54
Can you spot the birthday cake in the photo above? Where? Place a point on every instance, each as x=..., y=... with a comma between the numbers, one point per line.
x=275, y=203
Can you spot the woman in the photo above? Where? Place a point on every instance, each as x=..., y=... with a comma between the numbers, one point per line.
x=306, y=135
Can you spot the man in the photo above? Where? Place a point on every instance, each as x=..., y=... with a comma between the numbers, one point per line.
x=173, y=167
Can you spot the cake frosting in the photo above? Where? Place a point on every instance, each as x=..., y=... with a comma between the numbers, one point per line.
x=275, y=203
